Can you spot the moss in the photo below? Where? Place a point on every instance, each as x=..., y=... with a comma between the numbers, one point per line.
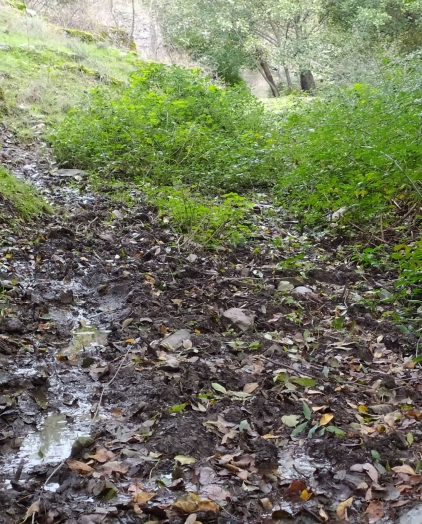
x=83, y=36
x=17, y=5
x=21, y=197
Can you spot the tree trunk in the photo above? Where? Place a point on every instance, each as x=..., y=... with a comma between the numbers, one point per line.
x=307, y=81
x=266, y=73
x=288, y=79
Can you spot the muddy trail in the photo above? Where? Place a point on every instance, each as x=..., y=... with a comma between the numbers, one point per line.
x=144, y=379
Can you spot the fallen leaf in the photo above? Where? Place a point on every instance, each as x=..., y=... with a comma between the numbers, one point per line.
x=114, y=467
x=305, y=495
x=219, y=387
x=375, y=511
x=191, y=519
x=325, y=419
x=33, y=508
x=80, y=467
x=290, y=421
x=183, y=460
x=296, y=486
x=142, y=497
x=103, y=455
x=323, y=515
x=266, y=504
x=341, y=508
x=250, y=387
x=404, y=469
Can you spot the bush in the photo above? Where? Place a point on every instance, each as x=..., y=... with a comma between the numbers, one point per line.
x=356, y=148
x=171, y=125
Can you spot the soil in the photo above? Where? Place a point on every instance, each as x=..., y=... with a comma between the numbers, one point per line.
x=91, y=292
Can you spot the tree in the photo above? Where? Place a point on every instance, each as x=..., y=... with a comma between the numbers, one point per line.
x=279, y=35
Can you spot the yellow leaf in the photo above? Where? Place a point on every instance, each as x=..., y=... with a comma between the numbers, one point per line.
x=185, y=460
x=341, y=508
x=130, y=341
x=142, y=497
x=363, y=409
x=33, y=508
x=305, y=495
x=325, y=419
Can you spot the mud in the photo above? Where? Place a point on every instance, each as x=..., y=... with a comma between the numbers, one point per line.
x=93, y=294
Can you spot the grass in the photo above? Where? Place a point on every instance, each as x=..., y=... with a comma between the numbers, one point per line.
x=43, y=72
x=20, y=197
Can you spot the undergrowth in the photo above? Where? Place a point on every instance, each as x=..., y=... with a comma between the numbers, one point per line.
x=172, y=124
x=20, y=197
x=355, y=149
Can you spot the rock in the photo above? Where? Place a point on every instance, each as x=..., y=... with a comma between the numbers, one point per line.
x=240, y=318
x=302, y=290
x=192, y=257
x=414, y=516
x=284, y=285
x=338, y=214
x=275, y=349
x=69, y=173
x=66, y=296
x=176, y=340
x=171, y=364
x=5, y=47
x=12, y=325
x=384, y=294
x=117, y=214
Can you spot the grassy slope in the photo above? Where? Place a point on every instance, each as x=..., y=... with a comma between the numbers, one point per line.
x=19, y=197
x=43, y=73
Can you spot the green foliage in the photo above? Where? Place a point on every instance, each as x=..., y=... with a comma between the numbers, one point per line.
x=172, y=125
x=355, y=149
x=83, y=36
x=208, y=221
x=20, y=196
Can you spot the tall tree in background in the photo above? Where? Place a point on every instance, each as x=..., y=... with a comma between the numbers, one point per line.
x=283, y=35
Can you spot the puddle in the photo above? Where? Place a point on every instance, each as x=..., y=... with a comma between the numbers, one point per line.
x=84, y=337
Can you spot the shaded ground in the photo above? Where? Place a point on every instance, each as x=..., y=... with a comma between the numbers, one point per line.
x=89, y=296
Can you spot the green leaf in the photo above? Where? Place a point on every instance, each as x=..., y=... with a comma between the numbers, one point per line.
x=307, y=411
x=305, y=382
x=418, y=467
x=410, y=438
x=219, y=387
x=417, y=359
x=312, y=430
x=337, y=431
x=290, y=420
x=299, y=429
x=177, y=408
x=375, y=454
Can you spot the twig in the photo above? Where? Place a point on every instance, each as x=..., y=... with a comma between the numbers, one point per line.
x=286, y=366
x=108, y=384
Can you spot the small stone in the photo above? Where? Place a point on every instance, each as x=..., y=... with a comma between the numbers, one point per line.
x=171, y=364
x=240, y=318
x=414, y=516
x=12, y=325
x=302, y=290
x=117, y=214
x=69, y=173
x=175, y=340
x=192, y=257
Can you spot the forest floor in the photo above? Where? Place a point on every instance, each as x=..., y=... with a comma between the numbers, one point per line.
x=144, y=379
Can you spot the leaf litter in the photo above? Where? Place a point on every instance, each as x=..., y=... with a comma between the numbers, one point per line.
x=299, y=403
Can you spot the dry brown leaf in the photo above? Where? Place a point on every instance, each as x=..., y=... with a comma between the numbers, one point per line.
x=266, y=504
x=325, y=419
x=103, y=455
x=375, y=511
x=404, y=469
x=371, y=471
x=192, y=503
x=114, y=467
x=250, y=387
x=142, y=497
x=341, y=508
x=296, y=486
x=33, y=508
x=80, y=467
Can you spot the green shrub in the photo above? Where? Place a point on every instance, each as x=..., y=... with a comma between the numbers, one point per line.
x=210, y=222
x=171, y=125
x=356, y=148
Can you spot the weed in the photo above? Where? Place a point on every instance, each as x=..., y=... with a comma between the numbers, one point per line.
x=21, y=196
